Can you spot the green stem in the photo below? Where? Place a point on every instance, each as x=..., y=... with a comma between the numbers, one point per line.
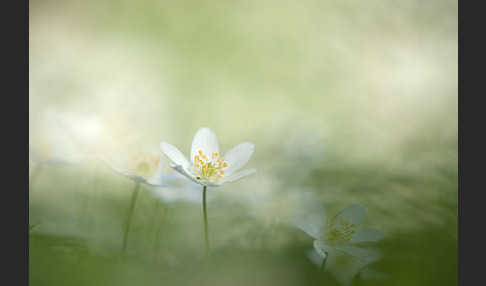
x=130, y=214
x=206, y=235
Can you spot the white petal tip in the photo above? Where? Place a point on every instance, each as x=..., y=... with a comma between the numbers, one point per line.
x=251, y=145
x=239, y=175
x=205, y=130
x=173, y=154
x=164, y=146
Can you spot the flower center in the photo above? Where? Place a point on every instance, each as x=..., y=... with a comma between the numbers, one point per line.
x=209, y=169
x=144, y=165
x=338, y=231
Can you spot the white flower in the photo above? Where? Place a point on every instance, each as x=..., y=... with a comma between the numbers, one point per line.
x=206, y=166
x=143, y=167
x=340, y=241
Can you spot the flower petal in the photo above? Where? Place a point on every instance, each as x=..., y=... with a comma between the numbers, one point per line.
x=158, y=179
x=310, y=215
x=311, y=224
x=315, y=257
x=184, y=172
x=353, y=214
x=322, y=248
x=205, y=140
x=162, y=178
x=238, y=175
x=191, y=176
x=174, y=154
x=344, y=262
x=238, y=156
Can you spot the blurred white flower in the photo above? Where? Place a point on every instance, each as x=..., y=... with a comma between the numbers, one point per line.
x=140, y=166
x=149, y=167
x=339, y=243
x=207, y=167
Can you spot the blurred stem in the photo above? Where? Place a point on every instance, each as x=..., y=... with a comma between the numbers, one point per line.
x=206, y=235
x=130, y=214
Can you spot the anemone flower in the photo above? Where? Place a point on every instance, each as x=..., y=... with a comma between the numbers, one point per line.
x=141, y=167
x=341, y=247
x=207, y=167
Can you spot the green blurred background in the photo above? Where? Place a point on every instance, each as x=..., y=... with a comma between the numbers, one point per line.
x=352, y=101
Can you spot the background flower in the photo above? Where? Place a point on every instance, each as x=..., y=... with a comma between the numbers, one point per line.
x=340, y=241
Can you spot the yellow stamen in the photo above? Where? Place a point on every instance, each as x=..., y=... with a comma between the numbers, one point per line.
x=209, y=169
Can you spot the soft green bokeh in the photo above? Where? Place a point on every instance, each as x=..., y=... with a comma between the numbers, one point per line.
x=352, y=101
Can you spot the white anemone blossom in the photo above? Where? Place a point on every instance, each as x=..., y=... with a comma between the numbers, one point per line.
x=339, y=243
x=149, y=168
x=141, y=167
x=206, y=166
